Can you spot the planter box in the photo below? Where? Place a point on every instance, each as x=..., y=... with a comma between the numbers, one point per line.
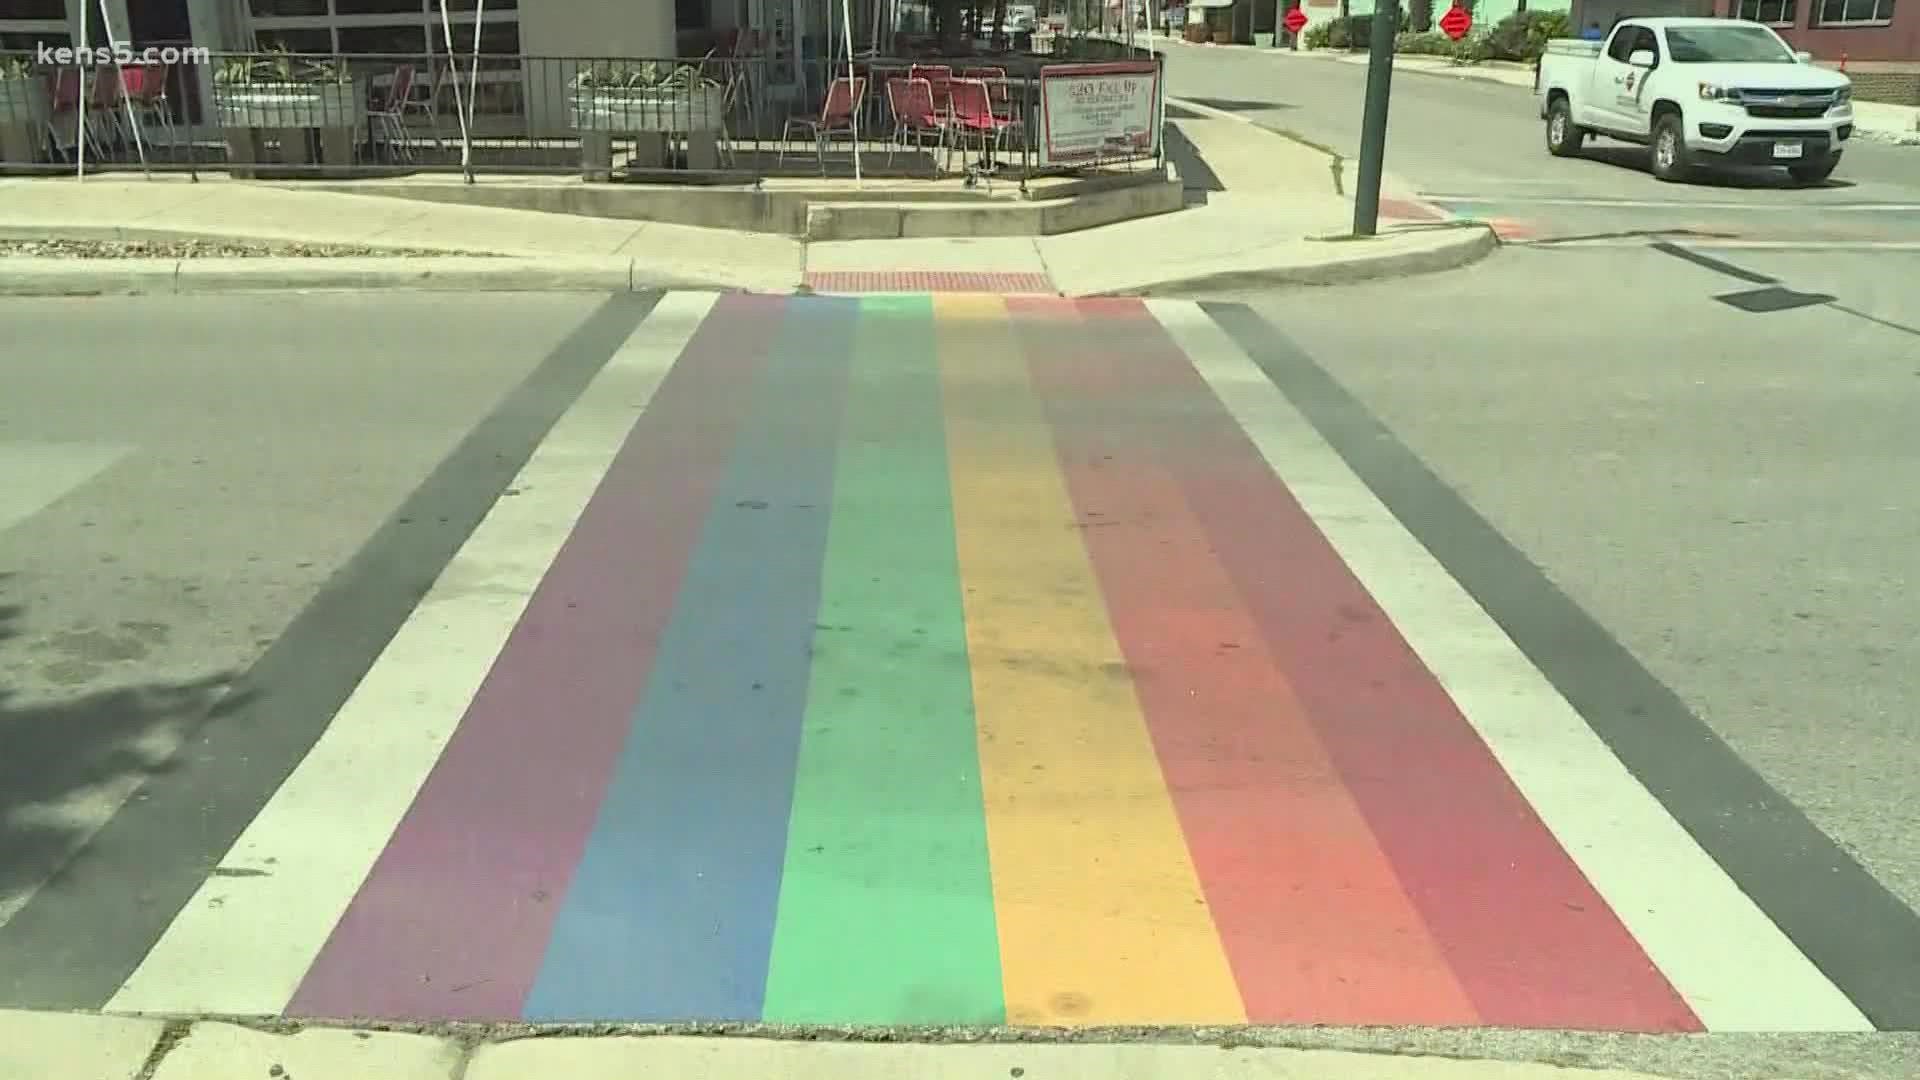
x=291, y=105
x=667, y=109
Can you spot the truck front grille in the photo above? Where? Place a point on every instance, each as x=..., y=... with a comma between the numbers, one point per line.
x=1787, y=104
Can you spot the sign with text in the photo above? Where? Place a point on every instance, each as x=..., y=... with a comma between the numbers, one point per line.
x=1099, y=112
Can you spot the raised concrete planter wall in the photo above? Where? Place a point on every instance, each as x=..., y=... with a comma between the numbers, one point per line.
x=813, y=216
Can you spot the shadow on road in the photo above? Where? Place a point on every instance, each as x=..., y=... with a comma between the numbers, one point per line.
x=1637, y=159
x=1239, y=105
x=66, y=763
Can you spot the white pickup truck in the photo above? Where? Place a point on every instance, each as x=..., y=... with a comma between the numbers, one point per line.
x=1698, y=91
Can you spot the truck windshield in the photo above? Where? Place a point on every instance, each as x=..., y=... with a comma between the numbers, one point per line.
x=1725, y=45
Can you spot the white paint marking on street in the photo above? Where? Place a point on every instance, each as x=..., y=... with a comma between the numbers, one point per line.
x=1675, y=204
x=243, y=943
x=34, y=476
x=1700, y=242
x=1734, y=967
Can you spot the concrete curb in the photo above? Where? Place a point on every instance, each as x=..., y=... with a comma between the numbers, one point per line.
x=135, y=234
x=60, y=1045
x=1465, y=244
x=33, y=276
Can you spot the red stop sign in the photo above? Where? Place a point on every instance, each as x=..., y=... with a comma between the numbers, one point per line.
x=1456, y=22
x=1295, y=19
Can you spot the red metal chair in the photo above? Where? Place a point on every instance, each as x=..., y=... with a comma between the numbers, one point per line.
x=146, y=89
x=938, y=76
x=911, y=102
x=65, y=113
x=836, y=115
x=390, y=118
x=973, y=120
x=996, y=80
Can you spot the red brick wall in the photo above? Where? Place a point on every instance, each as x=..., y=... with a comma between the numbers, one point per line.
x=1899, y=41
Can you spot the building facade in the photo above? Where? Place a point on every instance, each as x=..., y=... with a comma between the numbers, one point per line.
x=1878, y=41
x=580, y=28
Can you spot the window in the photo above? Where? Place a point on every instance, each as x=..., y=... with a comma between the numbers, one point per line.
x=496, y=38
x=1771, y=12
x=273, y=9
x=47, y=10
x=1726, y=45
x=1632, y=40
x=296, y=41
x=407, y=40
x=378, y=7
x=29, y=42
x=1845, y=12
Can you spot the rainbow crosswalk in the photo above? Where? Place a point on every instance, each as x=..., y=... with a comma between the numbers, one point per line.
x=962, y=660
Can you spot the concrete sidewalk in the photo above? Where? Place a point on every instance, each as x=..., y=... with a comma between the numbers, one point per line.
x=1274, y=216
x=63, y=1046
x=1873, y=120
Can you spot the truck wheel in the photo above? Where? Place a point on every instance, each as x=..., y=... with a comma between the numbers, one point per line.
x=1813, y=172
x=1671, y=162
x=1564, y=137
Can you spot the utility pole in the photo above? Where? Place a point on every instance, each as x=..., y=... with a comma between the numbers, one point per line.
x=1373, y=124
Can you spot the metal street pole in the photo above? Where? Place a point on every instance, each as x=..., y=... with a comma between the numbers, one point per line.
x=1373, y=125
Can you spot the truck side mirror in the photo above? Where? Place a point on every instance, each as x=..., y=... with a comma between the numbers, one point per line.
x=1641, y=58
x=1804, y=57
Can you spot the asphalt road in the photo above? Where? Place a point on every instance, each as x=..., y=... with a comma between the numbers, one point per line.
x=1730, y=492
x=1477, y=149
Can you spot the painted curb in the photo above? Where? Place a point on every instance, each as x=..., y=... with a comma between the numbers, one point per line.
x=1474, y=242
x=34, y=276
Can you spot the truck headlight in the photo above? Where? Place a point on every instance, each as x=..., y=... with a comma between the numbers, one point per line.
x=1843, y=95
x=1714, y=92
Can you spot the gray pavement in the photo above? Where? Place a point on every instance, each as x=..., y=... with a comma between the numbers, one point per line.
x=1731, y=493
x=179, y=478
x=1476, y=148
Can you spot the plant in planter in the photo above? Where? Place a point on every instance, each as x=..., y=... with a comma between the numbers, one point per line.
x=287, y=91
x=23, y=94
x=647, y=96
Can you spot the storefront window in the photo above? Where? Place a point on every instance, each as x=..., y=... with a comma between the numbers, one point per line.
x=1842, y=12
x=378, y=7
x=408, y=40
x=29, y=42
x=1772, y=12
x=50, y=10
x=296, y=41
x=274, y=9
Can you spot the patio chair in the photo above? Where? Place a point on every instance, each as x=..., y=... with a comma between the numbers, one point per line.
x=938, y=76
x=911, y=103
x=63, y=120
x=972, y=120
x=146, y=90
x=996, y=80
x=389, y=119
x=836, y=115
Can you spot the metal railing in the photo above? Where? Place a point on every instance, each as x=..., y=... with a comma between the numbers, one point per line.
x=711, y=120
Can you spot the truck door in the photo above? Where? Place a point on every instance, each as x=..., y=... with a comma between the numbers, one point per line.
x=1620, y=89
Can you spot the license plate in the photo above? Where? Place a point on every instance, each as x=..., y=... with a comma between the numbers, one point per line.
x=1785, y=150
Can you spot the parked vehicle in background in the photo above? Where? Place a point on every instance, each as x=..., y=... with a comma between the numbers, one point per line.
x=1698, y=92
